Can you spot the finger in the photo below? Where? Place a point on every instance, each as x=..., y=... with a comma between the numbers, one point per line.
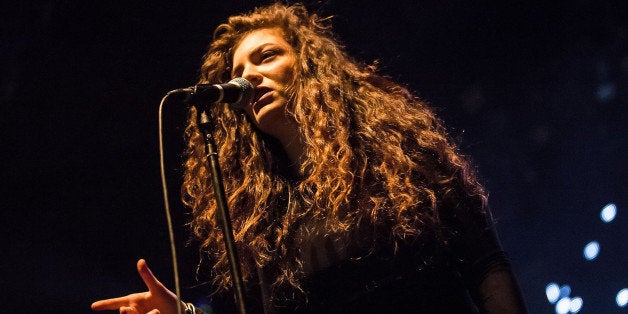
x=155, y=311
x=128, y=310
x=147, y=276
x=110, y=304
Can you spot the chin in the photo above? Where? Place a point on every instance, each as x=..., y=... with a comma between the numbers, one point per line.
x=270, y=114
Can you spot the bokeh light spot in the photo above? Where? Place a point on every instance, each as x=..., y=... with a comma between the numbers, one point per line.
x=591, y=250
x=622, y=297
x=552, y=291
x=562, y=306
x=575, y=305
x=608, y=213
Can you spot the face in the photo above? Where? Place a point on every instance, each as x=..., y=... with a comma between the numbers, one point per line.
x=265, y=59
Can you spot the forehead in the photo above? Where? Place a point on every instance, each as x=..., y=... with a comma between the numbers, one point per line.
x=258, y=38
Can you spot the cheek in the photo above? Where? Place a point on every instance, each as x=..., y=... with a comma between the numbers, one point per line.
x=287, y=70
x=283, y=74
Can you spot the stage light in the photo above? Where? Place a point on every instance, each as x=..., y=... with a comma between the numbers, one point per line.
x=591, y=250
x=562, y=306
x=552, y=292
x=565, y=291
x=608, y=213
x=622, y=297
x=575, y=305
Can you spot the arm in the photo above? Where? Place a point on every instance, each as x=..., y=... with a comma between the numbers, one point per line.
x=499, y=293
x=488, y=272
x=158, y=299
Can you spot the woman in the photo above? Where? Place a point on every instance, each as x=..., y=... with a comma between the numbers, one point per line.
x=346, y=193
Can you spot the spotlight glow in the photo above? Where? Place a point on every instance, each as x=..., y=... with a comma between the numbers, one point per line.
x=591, y=250
x=606, y=91
x=575, y=305
x=552, y=292
x=608, y=213
x=622, y=297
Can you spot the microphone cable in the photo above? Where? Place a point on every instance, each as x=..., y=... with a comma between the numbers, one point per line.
x=164, y=187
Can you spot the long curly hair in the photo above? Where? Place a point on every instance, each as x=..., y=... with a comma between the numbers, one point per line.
x=378, y=162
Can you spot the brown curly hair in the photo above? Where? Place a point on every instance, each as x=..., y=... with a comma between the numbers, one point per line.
x=378, y=162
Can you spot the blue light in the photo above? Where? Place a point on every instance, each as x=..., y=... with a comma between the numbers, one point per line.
x=552, y=292
x=608, y=213
x=591, y=250
x=575, y=305
x=562, y=306
x=565, y=291
x=606, y=91
x=622, y=297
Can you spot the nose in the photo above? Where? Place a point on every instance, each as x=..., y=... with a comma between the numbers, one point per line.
x=252, y=75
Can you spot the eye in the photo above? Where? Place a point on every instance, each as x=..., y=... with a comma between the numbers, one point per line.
x=267, y=54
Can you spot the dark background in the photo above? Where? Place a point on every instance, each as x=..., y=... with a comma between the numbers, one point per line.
x=535, y=92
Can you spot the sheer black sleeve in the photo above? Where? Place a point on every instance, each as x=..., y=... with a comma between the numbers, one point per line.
x=485, y=267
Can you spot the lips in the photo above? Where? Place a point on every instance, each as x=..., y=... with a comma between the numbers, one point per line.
x=262, y=97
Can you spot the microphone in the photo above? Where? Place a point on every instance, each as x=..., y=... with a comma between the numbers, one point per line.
x=237, y=93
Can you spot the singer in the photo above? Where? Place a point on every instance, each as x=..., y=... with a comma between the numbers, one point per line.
x=346, y=193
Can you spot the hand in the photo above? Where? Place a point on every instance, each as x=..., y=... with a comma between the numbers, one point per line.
x=158, y=299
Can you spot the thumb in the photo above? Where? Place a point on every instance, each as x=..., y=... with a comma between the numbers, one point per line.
x=149, y=279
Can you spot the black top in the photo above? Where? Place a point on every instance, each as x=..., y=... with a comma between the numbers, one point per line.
x=469, y=274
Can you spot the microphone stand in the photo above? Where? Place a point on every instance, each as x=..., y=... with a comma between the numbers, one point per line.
x=206, y=127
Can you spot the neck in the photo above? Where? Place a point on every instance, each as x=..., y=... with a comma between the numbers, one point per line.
x=289, y=136
x=295, y=149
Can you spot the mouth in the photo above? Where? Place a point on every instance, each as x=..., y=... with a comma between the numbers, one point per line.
x=262, y=97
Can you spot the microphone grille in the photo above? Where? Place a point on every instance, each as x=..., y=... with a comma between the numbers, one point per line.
x=247, y=92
